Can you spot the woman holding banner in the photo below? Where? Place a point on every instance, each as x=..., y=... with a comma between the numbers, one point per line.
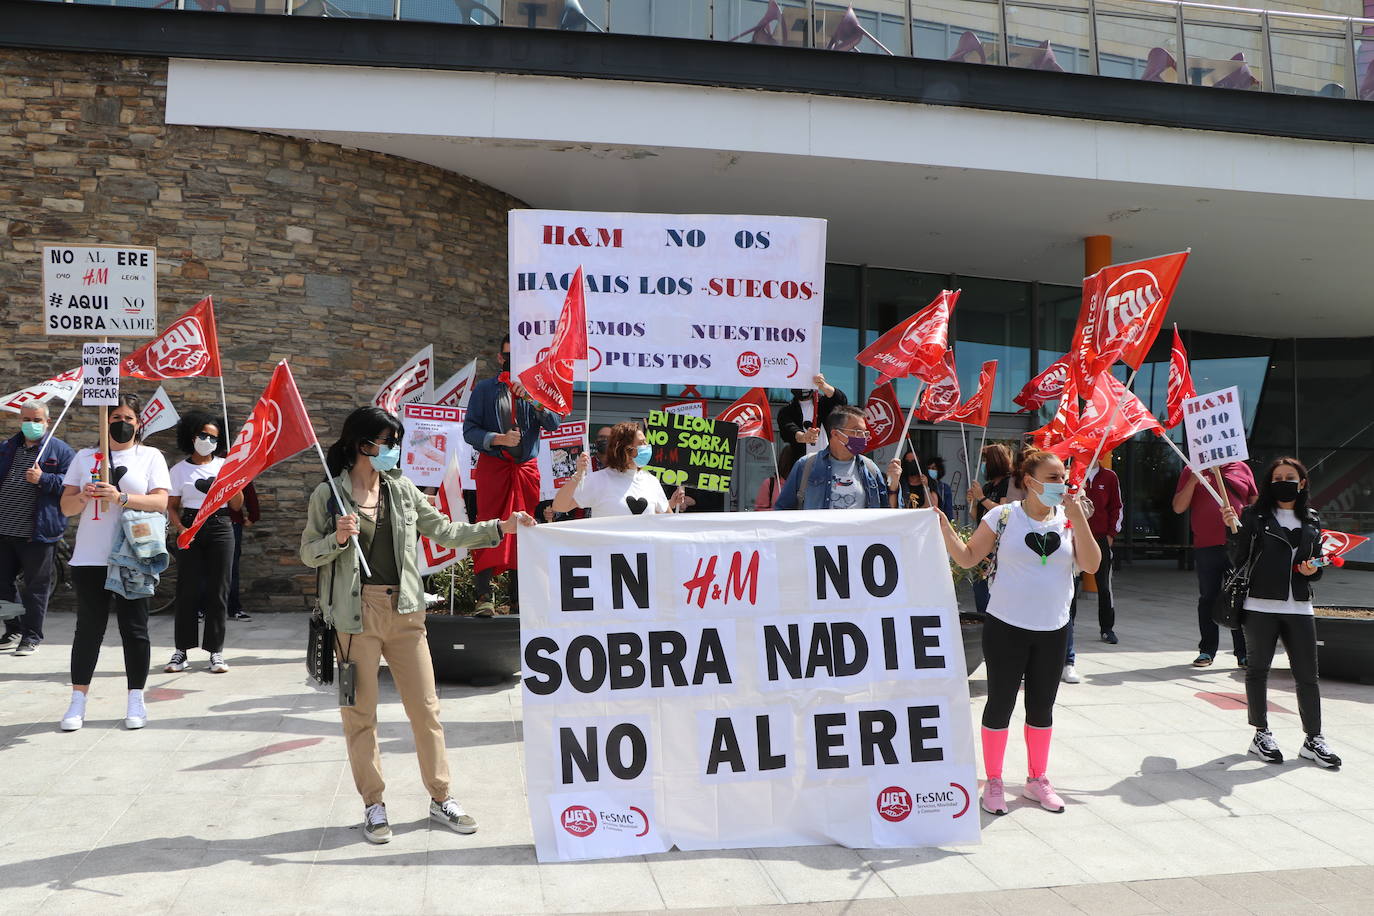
x=203, y=568
x=141, y=483
x=622, y=487
x=1277, y=539
x=381, y=612
x=1037, y=546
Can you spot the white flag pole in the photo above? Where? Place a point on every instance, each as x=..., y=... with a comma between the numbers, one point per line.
x=52, y=431
x=1201, y=477
x=362, y=561
x=911, y=416
x=968, y=474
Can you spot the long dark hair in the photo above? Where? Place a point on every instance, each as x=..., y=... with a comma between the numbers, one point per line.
x=1266, y=499
x=192, y=423
x=134, y=403
x=362, y=425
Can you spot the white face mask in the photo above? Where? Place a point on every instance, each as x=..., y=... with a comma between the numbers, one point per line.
x=205, y=447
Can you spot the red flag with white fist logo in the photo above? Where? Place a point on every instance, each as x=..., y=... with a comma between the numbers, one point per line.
x=189, y=347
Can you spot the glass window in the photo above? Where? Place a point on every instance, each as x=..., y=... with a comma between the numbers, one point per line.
x=751, y=21
x=893, y=297
x=969, y=31
x=467, y=12
x=670, y=18
x=992, y=321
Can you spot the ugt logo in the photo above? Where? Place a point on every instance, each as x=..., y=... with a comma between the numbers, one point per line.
x=180, y=351
x=579, y=820
x=742, y=577
x=894, y=804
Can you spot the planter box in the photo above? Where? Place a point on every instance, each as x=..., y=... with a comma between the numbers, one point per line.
x=482, y=651
x=1345, y=647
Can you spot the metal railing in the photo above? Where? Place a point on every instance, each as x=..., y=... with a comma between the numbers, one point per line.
x=1170, y=41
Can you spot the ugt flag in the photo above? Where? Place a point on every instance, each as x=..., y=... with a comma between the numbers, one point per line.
x=1046, y=386
x=975, y=410
x=62, y=386
x=1106, y=423
x=916, y=346
x=751, y=414
x=1338, y=543
x=277, y=429
x=941, y=397
x=1065, y=421
x=1181, y=386
x=884, y=416
x=412, y=382
x=550, y=381
x=189, y=347
x=1123, y=308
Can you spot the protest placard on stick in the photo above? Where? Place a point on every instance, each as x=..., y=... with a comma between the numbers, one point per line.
x=691, y=452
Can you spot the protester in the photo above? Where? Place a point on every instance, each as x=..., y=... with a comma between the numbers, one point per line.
x=1103, y=491
x=1036, y=543
x=1278, y=538
x=915, y=486
x=382, y=614
x=31, y=523
x=935, y=470
x=1209, y=549
x=205, y=565
x=772, y=484
x=800, y=419
x=139, y=482
x=840, y=477
x=994, y=468
x=502, y=425
x=622, y=487
x=242, y=519
x=603, y=435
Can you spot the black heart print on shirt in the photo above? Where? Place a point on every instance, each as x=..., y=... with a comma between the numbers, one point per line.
x=204, y=484
x=1043, y=544
x=637, y=504
x=117, y=472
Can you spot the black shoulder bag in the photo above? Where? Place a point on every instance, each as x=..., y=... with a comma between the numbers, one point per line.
x=321, y=637
x=1229, y=609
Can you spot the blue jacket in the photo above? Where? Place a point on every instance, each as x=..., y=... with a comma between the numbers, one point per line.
x=818, y=490
x=139, y=555
x=484, y=421
x=48, y=521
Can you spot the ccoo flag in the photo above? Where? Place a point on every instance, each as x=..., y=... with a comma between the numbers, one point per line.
x=412, y=382
x=456, y=391
x=550, y=381
x=751, y=414
x=1123, y=308
x=1180, y=382
x=916, y=346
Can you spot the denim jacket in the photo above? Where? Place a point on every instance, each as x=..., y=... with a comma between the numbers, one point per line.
x=139, y=556
x=818, y=490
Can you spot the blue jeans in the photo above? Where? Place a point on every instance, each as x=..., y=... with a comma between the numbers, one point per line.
x=1212, y=564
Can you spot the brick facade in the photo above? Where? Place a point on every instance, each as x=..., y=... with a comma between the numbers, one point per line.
x=343, y=261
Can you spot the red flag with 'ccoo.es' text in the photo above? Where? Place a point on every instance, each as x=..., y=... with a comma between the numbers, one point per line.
x=916, y=346
x=1046, y=386
x=751, y=414
x=550, y=381
x=975, y=410
x=941, y=397
x=884, y=416
x=277, y=429
x=189, y=347
x=1123, y=308
x=1181, y=385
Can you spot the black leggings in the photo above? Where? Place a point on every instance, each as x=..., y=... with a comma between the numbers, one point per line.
x=1013, y=654
x=203, y=583
x=1299, y=632
x=93, y=615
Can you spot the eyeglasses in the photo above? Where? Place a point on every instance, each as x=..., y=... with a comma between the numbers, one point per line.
x=856, y=433
x=385, y=443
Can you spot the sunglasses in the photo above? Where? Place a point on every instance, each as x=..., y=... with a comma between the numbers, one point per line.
x=391, y=442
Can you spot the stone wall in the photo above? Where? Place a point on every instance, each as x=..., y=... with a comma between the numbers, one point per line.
x=343, y=261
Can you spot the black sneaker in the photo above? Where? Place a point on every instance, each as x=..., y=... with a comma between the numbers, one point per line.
x=9, y=640
x=1109, y=636
x=375, y=826
x=1315, y=750
x=1265, y=747
x=240, y=615
x=26, y=648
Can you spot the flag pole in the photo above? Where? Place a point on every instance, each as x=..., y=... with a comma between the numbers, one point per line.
x=53, y=430
x=911, y=416
x=963, y=438
x=1201, y=477
x=1116, y=409
x=362, y=561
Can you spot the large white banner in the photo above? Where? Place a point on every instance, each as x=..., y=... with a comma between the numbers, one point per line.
x=674, y=299
x=743, y=679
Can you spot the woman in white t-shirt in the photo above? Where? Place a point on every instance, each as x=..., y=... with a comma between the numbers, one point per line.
x=620, y=488
x=203, y=567
x=138, y=480
x=1037, y=542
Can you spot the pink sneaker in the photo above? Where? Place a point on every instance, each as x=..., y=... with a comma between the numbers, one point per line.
x=994, y=800
x=1040, y=790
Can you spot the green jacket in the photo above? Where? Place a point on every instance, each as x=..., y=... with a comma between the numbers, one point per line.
x=412, y=515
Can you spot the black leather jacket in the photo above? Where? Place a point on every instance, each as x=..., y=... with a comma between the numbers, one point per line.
x=1273, y=573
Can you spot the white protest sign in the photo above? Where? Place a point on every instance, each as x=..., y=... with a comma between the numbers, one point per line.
x=687, y=409
x=1214, y=426
x=99, y=290
x=673, y=299
x=558, y=454
x=432, y=436
x=726, y=680
x=158, y=414
x=99, y=374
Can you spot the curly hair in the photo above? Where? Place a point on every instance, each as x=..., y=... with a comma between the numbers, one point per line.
x=620, y=448
x=192, y=423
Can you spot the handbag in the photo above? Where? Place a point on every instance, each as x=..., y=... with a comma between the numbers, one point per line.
x=1229, y=609
x=320, y=641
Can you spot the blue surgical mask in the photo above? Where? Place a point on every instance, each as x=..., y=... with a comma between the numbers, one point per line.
x=933, y=474
x=387, y=457
x=1052, y=494
x=32, y=430
x=644, y=455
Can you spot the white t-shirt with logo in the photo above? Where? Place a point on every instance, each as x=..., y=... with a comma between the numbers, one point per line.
x=1035, y=567
x=185, y=475
x=846, y=486
x=610, y=492
x=144, y=470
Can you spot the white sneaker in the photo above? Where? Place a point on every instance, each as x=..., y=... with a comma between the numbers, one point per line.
x=137, y=714
x=217, y=663
x=1071, y=675
x=75, y=716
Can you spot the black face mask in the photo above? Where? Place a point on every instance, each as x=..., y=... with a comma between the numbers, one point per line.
x=121, y=431
x=599, y=446
x=800, y=393
x=1284, y=491
x=505, y=362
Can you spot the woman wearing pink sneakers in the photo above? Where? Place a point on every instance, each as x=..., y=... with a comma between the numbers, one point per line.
x=1035, y=543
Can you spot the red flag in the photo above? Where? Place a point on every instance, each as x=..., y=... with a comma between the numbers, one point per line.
x=189, y=347
x=277, y=429
x=550, y=381
x=1123, y=308
x=1125, y=421
x=941, y=397
x=1337, y=543
x=1046, y=386
x=1180, y=382
x=916, y=346
x=432, y=557
x=1065, y=420
x=751, y=414
x=975, y=410
x=884, y=417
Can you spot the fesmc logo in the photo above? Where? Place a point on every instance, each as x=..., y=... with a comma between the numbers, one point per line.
x=880, y=420
x=1128, y=298
x=180, y=351
x=895, y=804
x=581, y=821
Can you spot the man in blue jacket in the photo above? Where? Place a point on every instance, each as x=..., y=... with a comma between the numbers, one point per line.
x=502, y=425
x=840, y=477
x=31, y=524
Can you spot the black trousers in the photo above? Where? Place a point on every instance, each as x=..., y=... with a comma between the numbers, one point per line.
x=1106, y=603
x=93, y=604
x=35, y=561
x=1212, y=564
x=482, y=585
x=203, y=581
x=1299, y=634
x=1013, y=655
